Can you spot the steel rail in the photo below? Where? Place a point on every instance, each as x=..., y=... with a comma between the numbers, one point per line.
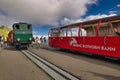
x=52, y=70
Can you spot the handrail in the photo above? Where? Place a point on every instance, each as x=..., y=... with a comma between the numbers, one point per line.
x=97, y=28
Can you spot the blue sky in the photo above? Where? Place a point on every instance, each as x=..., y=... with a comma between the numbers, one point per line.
x=101, y=7
x=104, y=7
x=45, y=14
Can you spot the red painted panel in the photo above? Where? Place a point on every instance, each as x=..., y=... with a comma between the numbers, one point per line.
x=10, y=37
x=107, y=46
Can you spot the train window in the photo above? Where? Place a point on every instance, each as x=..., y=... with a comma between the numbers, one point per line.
x=50, y=33
x=29, y=26
x=17, y=26
x=63, y=32
x=54, y=33
x=83, y=32
x=117, y=26
x=74, y=31
x=69, y=32
x=89, y=31
x=105, y=31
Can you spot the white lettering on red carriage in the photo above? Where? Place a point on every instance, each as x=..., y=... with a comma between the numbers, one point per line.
x=108, y=48
x=91, y=46
x=74, y=43
x=77, y=45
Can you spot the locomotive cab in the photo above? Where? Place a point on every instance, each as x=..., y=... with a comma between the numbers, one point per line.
x=22, y=35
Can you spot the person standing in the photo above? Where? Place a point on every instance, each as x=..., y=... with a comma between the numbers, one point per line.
x=44, y=40
x=37, y=42
x=5, y=42
x=33, y=41
x=2, y=41
x=41, y=41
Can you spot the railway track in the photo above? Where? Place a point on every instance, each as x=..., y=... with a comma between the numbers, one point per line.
x=52, y=70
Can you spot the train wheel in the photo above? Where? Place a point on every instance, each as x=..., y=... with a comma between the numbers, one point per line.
x=17, y=47
x=119, y=60
x=26, y=48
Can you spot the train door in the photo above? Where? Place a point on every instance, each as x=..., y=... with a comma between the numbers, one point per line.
x=87, y=38
x=63, y=39
x=109, y=41
x=53, y=38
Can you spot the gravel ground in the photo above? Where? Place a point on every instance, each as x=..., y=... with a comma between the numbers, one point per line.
x=15, y=66
x=79, y=67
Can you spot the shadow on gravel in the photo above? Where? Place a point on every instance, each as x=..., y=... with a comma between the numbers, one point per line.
x=11, y=48
x=83, y=55
x=92, y=56
x=108, y=77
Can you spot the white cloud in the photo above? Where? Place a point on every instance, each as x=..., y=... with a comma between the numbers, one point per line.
x=112, y=12
x=91, y=17
x=67, y=21
x=45, y=11
x=118, y=5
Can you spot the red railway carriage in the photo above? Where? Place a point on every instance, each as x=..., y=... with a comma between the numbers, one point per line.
x=10, y=37
x=93, y=37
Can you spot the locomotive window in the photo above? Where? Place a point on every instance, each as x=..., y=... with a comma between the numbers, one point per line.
x=29, y=26
x=17, y=26
x=24, y=26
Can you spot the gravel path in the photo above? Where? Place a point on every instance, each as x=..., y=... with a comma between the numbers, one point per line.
x=81, y=68
x=15, y=66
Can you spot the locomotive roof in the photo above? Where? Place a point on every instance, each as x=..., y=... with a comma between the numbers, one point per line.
x=21, y=23
x=106, y=19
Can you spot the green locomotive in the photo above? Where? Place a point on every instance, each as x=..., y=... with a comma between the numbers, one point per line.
x=22, y=35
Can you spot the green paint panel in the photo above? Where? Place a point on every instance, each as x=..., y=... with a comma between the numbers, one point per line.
x=23, y=31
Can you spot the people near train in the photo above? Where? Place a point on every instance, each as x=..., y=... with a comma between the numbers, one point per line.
x=5, y=42
x=41, y=39
x=44, y=39
x=37, y=42
x=116, y=31
x=2, y=41
x=33, y=41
